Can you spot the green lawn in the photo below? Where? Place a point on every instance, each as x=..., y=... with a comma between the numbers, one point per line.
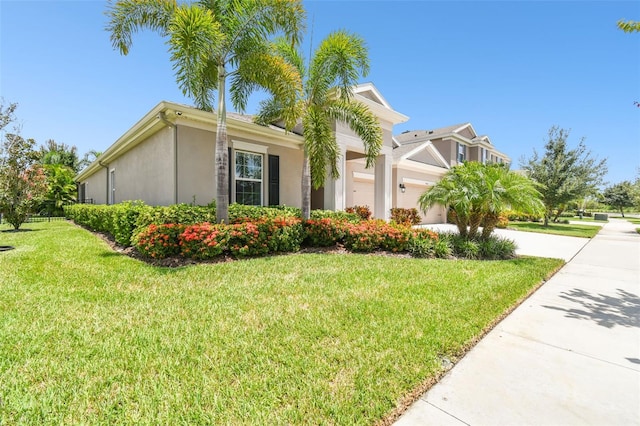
x=570, y=230
x=634, y=220
x=90, y=336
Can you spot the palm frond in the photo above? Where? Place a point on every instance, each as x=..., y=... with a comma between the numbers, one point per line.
x=127, y=17
x=363, y=122
x=340, y=60
x=320, y=145
x=194, y=37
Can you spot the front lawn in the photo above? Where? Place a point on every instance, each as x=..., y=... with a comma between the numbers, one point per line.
x=91, y=336
x=570, y=230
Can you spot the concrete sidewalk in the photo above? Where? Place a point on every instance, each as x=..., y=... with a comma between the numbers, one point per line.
x=569, y=355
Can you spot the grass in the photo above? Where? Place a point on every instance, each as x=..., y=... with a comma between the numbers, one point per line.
x=634, y=220
x=90, y=336
x=570, y=230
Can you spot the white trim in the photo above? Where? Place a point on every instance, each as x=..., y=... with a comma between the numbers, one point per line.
x=417, y=182
x=250, y=147
x=364, y=176
x=420, y=167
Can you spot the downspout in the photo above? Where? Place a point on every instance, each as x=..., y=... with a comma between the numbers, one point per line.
x=162, y=117
x=106, y=201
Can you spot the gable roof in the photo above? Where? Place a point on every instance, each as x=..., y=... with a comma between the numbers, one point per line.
x=369, y=95
x=410, y=149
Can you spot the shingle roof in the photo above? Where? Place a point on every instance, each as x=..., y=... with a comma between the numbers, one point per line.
x=411, y=135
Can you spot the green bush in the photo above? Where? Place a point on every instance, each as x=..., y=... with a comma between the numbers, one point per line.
x=124, y=218
x=422, y=243
x=239, y=213
x=405, y=216
x=334, y=215
x=497, y=248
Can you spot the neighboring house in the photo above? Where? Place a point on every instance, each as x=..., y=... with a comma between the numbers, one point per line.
x=168, y=157
x=457, y=144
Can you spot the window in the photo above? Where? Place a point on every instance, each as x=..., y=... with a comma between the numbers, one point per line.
x=462, y=152
x=112, y=187
x=248, y=177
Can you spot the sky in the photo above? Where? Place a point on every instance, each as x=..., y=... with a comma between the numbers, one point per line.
x=513, y=69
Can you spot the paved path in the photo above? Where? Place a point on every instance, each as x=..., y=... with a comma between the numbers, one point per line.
x=569, y=355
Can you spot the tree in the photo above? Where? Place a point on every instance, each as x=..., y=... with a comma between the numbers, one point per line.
x=60, y=153
x=22, y=180
x=564, y=174
x=629, y=26
x=327, y=97
x=211, y=40
x=478, y=193
x=619, y=196
x=61, y=188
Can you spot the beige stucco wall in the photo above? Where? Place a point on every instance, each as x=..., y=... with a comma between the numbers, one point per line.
x=447, y=149
x=196, y=165
x=409, y=199
x=96, y=188
x=359, y=191
x=146, y=171
x=196, y=169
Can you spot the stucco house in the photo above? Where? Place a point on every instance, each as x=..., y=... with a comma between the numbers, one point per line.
x=167, y=157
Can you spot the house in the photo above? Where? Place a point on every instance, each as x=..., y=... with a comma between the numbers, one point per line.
x=168, y=157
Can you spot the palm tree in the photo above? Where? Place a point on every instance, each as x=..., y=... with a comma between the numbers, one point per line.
x=478, y=193
x=328, y=83
x=211, y=40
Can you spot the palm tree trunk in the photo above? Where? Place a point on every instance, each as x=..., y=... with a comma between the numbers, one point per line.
x=474, y=223
x=490, y=222
x=306, y=188
x=221, y=153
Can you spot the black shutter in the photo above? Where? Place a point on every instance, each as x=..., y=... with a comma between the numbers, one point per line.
x=274, y=180
x=230, y=177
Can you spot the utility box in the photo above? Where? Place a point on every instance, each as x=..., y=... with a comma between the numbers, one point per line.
x=601, y=216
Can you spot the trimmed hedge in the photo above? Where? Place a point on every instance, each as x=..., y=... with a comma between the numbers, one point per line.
x=185, y=230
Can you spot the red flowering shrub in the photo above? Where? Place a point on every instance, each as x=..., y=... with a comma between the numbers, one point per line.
x=405, y=216
x=371, y=235
x=204, y=241
x=363, y=211
x=159, y=241
x=247, y=239
x=285, y=234
x=324, y=232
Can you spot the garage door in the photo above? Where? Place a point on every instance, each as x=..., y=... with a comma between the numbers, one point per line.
x=410, y=200
x=363, y=193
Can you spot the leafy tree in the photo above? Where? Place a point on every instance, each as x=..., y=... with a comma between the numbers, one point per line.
x=478, y=193
x=22, y=180
x=211, y=40
x=59, y=153
x=61, y=188
x=629, y=26
x=619, y=196
x=327, y=97
x=564, y=174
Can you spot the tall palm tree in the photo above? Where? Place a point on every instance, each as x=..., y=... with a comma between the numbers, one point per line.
x=478, y=193
x=211, y=40
x=328, y=83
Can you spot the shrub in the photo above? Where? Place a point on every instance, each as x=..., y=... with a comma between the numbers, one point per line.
x=371, y=235
x=443, y=248
x=245, y=239
x=494, y=248
x=405, y=216
x=159, y=241
x=239, y=213
x=286, y=234
x=124, y=218
x=184, y=214
x=503, y=221
x=363, y=212
x=334, y=215
x=324, y=232
x=203, y=241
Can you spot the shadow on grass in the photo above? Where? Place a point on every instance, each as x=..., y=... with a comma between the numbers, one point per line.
x=623, y=309
x=15, y=231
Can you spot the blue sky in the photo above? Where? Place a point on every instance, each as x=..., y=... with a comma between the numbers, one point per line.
x=511, y=68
